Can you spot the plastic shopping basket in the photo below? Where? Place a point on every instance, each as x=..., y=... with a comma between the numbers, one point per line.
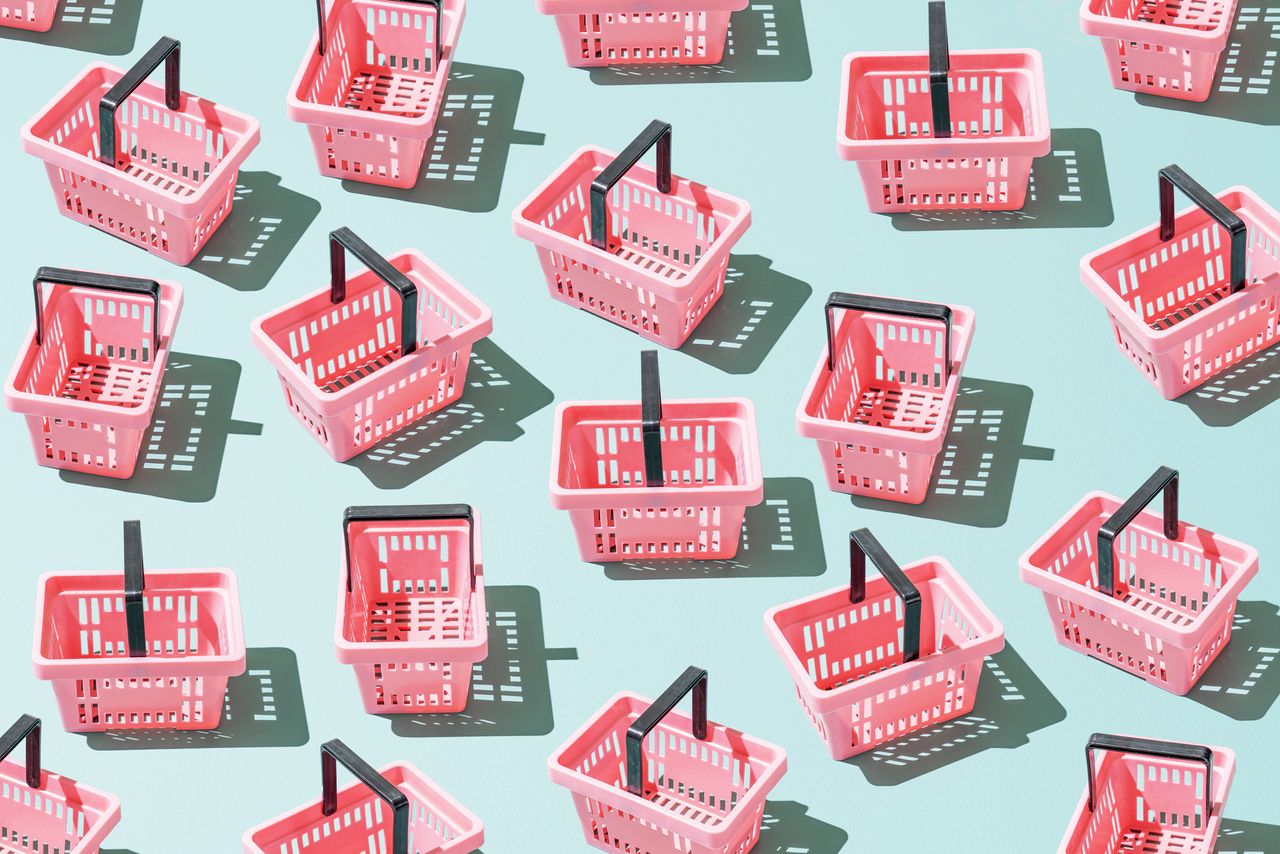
x=656, y=479
x=1145, y=795
x=880, y=402
x=371, y=86
x=650, y=261
x=1161, y=47
x=153, y=166
x=46, y=812
x=355, y=366
x=89, y=375
x=683, y=783
x=1196, y=294
x=1154, y=599
x=943, y=130
x=875, y=663
x=397, y=810
x=34, y=15
x=641, y=32
x=411, y=607
x=152, y=653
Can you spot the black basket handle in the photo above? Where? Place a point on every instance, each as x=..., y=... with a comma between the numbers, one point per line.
x=168, y=51
x=1150, y=747
x=135, y=584
x=863, y=545
x=1172, y=176
x=407, y=513
x=939, y=69
x=439, y=7
x=693, y=679
x=345, y=239
x=98, y=281
x=884, y=305
x=651, y=419
x=657, y=133
x=1165, y=479
x=27, y=728
x=334, y=751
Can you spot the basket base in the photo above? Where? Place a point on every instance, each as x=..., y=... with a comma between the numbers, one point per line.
x=414, y=688
x=608, y=829
x=83, y=447
x=946, y=184
x=877, y=473
x=379, y=159
x=595, y=39
x=163, y=703
x=613, y=535
x=32, y=15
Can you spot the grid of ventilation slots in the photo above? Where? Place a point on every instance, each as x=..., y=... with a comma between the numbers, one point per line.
x=989, y=177
x=337, y=362
x=706, y=539
x=61, y=826
x=430, y=607
x=369, y=79
x=178, y=612
x=906, y=95
x=1147, y=823
x=643, y=36
x=366, y=826
x=400, y=684
x=904, y=396
x=25, y=11
x=57, y=435
x=871, y=725
x=1201, y=15
x=619, y=452
x=179, y=700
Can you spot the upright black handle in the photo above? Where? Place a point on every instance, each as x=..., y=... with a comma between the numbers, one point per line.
x=1150, y=747
x=168, y=51
x=1165, y=479
x=863, y=545
x=439, y=7
x=135, y=584
x=29, y=728
x=939, y=69
x=693, y=679
x=657, y=133
x=334, y=751
x=98, y=281
x=1172, y=176
x=409, y=513
x=345, y=239
x=884, y=305
x=651, y=419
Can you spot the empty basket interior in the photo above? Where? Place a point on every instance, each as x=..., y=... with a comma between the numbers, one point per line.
x=1202, y=15
x=55, y=818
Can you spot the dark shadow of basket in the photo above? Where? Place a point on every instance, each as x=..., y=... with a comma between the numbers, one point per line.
x=263, y=708
x=466, y=160
x=1248, y=837
x=182, y=451
x=1244, y=682
x=780, y=538
x=757, y=306
x=767, y=44
x=1238, y=392
x=974, y=476
x=787, y=828
x=107, y=27
x=511, y=689
x=1069, y=189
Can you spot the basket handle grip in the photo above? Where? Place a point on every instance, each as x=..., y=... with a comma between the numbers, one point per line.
x=1151, y=747
x=693, y=679
x=135, y=585
x=344, y=240
x=27, y=728
x=166, y=50
x=1173, y=176
x=863, y=545
x=1164, y=480
x=657, y=133
x=884, y=305
x=939, y=69
x=334, y=751
x=409, y=512
x=98, y=281
x=651, y=419
x=439, y=7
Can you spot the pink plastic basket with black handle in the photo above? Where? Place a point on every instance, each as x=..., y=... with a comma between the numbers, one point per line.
x=875, y=662
x=1147, y=795
x=655, y=479
x=370, y=355
x=395, y=810
x=880, y=401
x=1153, y=596
x=46, y=812
x=372, y=84
x=34, y=15
x=152, y=165
x=89, y=376
x=650, y=261
x=641, y=32
x=944, y=130
x=1196, y=294
x=411, y=606
x=646, y=777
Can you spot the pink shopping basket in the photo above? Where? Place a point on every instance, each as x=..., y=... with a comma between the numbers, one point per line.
x=683, y=783
x=28, y=14
x=46, y=812
x=354, y=366
x=89, y=375
x=875, y=663
x=880, y=401
x=641, y=32
x=1196, y=294
x=943, y=130
x=153, y=166
x=650, y=261
x=411, y=607
x=152, y=653
x=1156, y=600
x=1161, y=47
x=397, y=810
x=1146, y=795
x=656, y=479
x=371, y=86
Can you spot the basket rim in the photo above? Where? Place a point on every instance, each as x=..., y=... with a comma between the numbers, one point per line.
x=109, y=810
x=1107, y=26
